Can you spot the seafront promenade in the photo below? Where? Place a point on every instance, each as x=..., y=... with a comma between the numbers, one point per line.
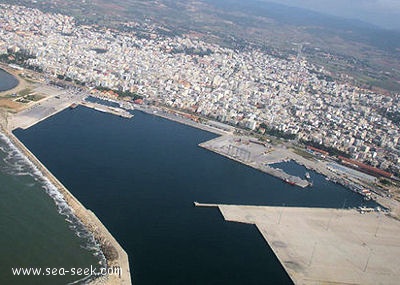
x=326, y=246
x=114, y=253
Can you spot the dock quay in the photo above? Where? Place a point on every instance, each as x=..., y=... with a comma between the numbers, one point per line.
x=107, y=109
x=115, y=255
x=326, y=246
x=167, y=114
x=255, y=155
x=54, y=101
x=58, y=101
x=197, y=204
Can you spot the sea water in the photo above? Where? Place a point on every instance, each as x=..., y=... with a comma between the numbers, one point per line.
x=141, y=176
x=38, y=229
x=7, y=81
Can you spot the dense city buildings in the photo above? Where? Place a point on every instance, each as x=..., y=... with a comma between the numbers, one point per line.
x=250, y=88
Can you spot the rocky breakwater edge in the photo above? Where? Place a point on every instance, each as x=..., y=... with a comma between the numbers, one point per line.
x=116, y=258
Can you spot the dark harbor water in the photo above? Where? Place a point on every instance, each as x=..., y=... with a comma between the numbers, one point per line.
x=7, y=81
x=141, y=176
x=319, y=181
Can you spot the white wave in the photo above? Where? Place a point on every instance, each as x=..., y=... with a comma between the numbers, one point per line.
x=84, y=280
x=18, y=164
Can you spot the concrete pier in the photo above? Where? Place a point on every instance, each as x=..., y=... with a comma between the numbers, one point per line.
x=43, y=109
x=326, y=246
x=107, y=109
x=197, y=204
x=56, y=100
x=246, y=151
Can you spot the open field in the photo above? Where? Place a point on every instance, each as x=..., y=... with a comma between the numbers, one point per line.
x=21, y=96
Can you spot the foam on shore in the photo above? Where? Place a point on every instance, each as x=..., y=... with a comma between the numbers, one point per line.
x=82, y=221
x=17, y=164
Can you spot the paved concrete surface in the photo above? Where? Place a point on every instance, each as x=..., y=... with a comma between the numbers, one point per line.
x=255, y=154
x=327, y=246
x=55, y=101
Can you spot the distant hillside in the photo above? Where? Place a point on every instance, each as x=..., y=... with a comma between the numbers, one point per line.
x=349, y=29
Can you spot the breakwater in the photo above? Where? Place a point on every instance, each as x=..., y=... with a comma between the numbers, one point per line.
x=115, y=255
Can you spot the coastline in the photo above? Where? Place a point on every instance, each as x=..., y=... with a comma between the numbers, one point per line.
x=89, y=219
x=115, y=255
x=171, y=115
x=15, y=73
x=260, y=159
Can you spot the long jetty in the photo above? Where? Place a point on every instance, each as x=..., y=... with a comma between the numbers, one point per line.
x=115, y=255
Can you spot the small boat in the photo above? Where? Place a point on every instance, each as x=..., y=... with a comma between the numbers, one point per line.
x=289, y=182
x=307, y=175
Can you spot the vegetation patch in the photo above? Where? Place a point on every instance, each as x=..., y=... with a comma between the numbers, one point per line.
x=25, y=92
